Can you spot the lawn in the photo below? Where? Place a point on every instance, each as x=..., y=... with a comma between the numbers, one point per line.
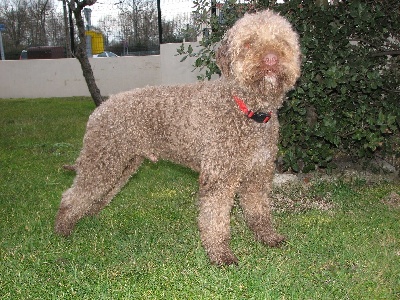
x=146, y=245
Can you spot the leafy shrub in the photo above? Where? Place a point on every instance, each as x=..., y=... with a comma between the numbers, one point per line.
x=347, y=99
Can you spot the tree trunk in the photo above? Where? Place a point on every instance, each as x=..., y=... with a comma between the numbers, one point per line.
x=81, y=55
x=66, y=29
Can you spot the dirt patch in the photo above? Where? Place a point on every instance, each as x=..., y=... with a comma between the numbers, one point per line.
x=298, y=196
x=296, y=192
x=392, y=200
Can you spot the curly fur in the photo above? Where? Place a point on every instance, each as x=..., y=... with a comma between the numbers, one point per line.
x=198, y=125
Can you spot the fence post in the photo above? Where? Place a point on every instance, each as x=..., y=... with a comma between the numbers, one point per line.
x=2, y=27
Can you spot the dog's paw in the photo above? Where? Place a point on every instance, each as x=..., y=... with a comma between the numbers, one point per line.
x=63, y=225
x=272, y=240
x=225, y=260
x=277, y=240
x=63, y=229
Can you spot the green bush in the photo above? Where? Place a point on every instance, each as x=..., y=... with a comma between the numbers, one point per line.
x=346, y=101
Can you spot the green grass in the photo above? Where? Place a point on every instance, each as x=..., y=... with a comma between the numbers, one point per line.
x=146, y=245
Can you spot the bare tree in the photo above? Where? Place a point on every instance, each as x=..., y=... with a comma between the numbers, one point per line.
x=15, y=14
x=107, y=25
x=55, y=28
x=77, y=6
x=30, y=23
x=138, y=23
x=37, y=11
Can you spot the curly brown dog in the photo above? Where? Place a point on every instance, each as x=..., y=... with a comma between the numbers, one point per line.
x=227, y=130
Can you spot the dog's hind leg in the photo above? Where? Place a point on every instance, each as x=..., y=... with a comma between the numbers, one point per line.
x=127, y=172
x=96, y=183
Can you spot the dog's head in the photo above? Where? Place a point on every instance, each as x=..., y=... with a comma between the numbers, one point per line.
x=261, y=52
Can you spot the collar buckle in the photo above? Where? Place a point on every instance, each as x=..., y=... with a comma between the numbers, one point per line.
x=259, y=117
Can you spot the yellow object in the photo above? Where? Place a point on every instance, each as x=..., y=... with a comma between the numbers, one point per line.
x=97, y=41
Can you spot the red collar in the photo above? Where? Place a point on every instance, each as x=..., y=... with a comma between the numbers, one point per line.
x=259, y=117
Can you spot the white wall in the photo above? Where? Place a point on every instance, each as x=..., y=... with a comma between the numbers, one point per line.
x=63, y=77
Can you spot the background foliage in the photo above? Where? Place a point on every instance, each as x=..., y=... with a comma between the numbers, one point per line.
x=346, y=102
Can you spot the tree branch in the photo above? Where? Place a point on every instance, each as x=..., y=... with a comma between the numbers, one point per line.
x=80, y=53
x=384, y=53
x=357, y=39
x=84, y=3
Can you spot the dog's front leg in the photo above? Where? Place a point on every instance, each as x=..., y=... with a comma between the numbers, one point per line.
x=254, y=200
x=216, y=201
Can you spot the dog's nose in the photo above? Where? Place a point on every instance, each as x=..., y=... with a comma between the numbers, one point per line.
x=271, y=59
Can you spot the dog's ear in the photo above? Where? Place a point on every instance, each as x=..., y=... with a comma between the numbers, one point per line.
x=222, y=58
